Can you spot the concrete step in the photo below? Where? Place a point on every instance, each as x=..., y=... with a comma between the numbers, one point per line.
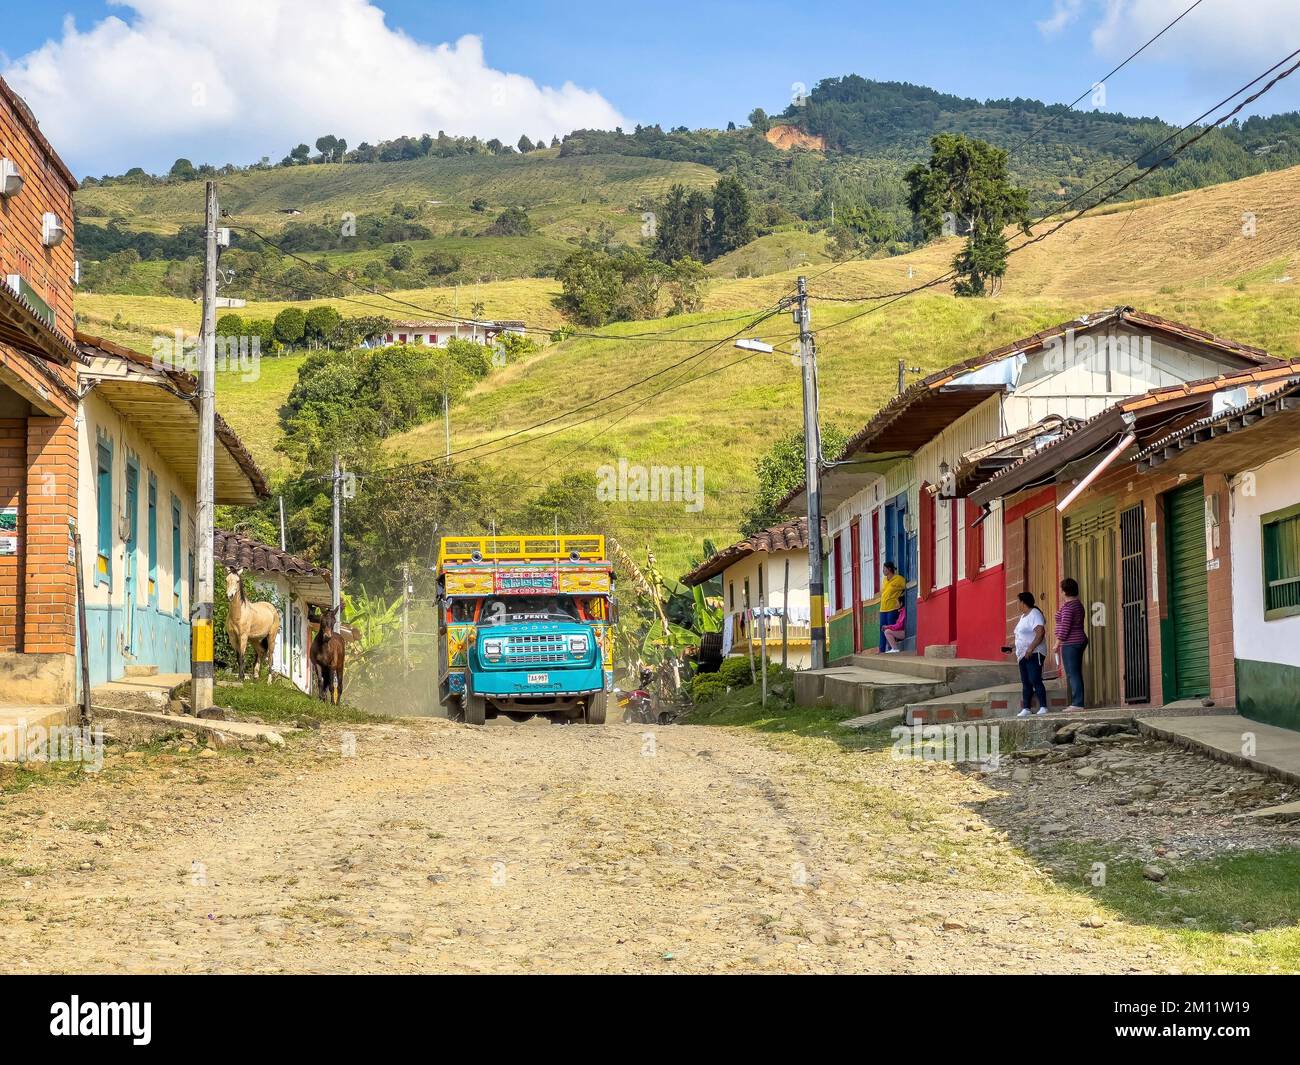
x=153, y=692
x=960, y=674
x=23, y=729
x=996, y=701
x=141, y=671
x=869, y=690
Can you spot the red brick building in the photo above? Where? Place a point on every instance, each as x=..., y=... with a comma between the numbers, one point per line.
x=38, y=404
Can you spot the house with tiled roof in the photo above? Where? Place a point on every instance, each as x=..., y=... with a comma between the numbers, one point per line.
x=137, y=457
x=900, y=491
x=293, y=584
x=1178, y=512
x=764, y=582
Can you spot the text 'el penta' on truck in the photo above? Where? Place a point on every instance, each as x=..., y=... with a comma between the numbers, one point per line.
x=526, y=627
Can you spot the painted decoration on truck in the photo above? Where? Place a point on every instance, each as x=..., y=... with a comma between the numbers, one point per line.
x=584, y=582
x=525, y=581
x=469, y=584
x=457, y=644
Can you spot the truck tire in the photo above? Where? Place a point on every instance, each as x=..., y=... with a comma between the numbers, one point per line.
x=475, y=709
x=595, y=712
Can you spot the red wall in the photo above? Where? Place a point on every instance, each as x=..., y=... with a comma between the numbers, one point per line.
x=933, y=620
x=981, y=615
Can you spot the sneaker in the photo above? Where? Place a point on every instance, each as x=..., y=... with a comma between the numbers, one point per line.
x=893, y=651
x=1041, y=711
x=1023, y=713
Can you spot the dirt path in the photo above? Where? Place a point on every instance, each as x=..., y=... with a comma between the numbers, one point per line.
x=532, y=848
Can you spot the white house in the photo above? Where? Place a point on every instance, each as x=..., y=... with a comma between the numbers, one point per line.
x=764, y=581
x=137, y=444
x=437, y=334
x=289, y=582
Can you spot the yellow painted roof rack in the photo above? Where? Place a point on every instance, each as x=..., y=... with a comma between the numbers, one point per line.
x=520, y=549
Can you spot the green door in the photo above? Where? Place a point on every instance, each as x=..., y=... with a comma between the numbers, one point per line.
x=1188, y=592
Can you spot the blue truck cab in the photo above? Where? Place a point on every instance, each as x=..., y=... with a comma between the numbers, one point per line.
x=525, y=627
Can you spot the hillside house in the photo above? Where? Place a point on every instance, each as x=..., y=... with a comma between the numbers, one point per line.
x=754, y=574
x=292, y=584
x=1174, y=510
x=437, y=334
x=897, y=496
x=137, y=452
x=38, y=407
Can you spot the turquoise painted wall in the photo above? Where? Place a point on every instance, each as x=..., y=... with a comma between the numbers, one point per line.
x=161, y=640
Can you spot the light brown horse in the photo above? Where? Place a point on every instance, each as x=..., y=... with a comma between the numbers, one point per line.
x=245, y=621
x=327, y=654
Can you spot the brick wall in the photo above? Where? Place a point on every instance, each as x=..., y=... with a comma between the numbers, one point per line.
x=46, y=187
x=50, y=591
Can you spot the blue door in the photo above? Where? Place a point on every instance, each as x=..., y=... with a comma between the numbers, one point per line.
x=132, y=536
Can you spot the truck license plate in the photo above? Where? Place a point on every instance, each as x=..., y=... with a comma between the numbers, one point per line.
x=539, y=678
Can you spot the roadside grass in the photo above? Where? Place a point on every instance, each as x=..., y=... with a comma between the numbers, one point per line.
x=1207, y=906
x=280, y=703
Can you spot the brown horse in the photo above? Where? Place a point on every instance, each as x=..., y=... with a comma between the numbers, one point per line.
x=327, y=657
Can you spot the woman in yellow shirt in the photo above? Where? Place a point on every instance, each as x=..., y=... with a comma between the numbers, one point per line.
x=891, y=600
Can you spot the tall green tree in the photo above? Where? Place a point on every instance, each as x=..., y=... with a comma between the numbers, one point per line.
x=732, y=227
x=967, y=187
x=780, y=471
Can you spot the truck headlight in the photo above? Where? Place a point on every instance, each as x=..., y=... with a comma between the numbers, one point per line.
x=492, y=649
x=578, y=644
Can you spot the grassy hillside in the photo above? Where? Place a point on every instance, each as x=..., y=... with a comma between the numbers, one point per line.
x=1184, y=257
x=565, y=196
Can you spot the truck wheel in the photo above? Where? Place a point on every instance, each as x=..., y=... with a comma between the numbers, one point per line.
x=595, y=712
x=475, y=709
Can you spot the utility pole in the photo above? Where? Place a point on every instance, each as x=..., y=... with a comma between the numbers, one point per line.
x=812, y=474
x=284, y=540
x=338, y=491
x=446, y=421
x=201, y=667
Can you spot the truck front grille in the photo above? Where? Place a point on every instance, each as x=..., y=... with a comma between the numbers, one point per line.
x=530, y=650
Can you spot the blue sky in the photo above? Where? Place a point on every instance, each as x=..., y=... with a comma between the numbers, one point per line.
x=695, y=64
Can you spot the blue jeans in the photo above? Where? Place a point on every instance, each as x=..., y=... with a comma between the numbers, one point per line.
x=1031, y=681
x=887, y=617
x=1072, y=662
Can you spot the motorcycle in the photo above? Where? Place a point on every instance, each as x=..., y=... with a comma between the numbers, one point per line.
x=638, y=706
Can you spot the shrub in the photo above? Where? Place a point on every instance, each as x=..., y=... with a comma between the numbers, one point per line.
x=706, y=687
x=734, y=671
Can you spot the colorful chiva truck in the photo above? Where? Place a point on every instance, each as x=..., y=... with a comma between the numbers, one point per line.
x=525, y=627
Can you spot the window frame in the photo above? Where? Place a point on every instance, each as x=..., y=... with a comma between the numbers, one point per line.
x=1276, y=517
x=104, y=511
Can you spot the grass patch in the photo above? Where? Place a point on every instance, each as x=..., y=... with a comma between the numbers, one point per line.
x=280, y=703
x=742, y=708
x=1235, y=912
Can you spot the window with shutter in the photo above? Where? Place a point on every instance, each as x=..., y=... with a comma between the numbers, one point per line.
x=1281, y=536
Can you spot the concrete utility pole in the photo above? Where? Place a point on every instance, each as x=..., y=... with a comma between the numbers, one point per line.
x=406, y=615
x=812, y=473
x=201, y=666
x=337, y=575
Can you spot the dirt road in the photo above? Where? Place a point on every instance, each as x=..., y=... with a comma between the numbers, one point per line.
x=439, y=847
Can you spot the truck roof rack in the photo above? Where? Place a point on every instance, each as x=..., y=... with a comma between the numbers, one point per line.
x=521, y=549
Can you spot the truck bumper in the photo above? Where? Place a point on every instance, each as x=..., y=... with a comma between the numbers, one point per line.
x=540, y=683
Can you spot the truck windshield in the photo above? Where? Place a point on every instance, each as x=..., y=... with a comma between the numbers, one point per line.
x=508, y=610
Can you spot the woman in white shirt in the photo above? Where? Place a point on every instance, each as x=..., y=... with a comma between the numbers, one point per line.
x=1031, y=647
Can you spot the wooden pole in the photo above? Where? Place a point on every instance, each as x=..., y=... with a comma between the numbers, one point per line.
x=81, y=627
x=785, y=618
x=762, y=634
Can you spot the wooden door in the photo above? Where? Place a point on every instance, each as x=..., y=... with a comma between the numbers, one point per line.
x=1040, y=564
x=855, y=545
x=1090, y=558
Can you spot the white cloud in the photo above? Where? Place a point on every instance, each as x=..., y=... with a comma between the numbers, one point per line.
x=1217, y=35
x=1063, y=13
x=174, y=80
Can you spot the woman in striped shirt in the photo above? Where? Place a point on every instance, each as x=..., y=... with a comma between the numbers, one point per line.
x=1071, y=641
